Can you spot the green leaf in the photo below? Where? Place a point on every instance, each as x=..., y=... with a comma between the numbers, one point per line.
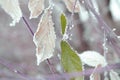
x=63, y=23
x=70, y=60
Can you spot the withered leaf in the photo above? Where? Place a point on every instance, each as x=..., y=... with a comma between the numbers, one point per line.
x=44, y=37
x=12, y=8
x=36, y=7
x=70, y=5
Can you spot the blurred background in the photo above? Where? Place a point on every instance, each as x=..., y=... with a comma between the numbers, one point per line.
x=17, y=50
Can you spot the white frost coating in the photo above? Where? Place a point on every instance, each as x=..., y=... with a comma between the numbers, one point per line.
x=92, y=58
x=114, y=29
x=12, y=8
x=44, y=37
x=83, y=14
x=91, y=77
x=115, y=9
x=65, y=36
x=59, y=68
x=83, y=2
x=94, y=77
x=106, y=75
x=114, y=75
x=95, y=6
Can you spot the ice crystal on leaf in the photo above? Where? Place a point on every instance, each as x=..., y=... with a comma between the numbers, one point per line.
x=12, y=8
x=36, y=7
x=44, y=37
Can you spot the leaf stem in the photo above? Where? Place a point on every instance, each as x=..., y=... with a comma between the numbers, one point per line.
x=48, y=61
x=51, y=68
x=28, y=26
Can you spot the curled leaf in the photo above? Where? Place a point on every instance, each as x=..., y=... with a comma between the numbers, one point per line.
x=36, y=7
x=70, y=5
x=44, y=37
x=12, y=8
x=92, y=58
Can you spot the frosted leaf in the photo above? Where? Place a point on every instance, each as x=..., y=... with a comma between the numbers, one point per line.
x=59, y=68
x=92, y=58
x=44, y=38
x=36, y=7
x=70, y=4
x=12, y=8
x=114, y=75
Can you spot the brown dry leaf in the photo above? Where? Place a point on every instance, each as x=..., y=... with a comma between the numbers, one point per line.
x=44, y=37
x=36, y=7
x=70, y=4
x=12, y=8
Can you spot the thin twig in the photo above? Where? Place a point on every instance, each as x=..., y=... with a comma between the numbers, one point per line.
x=85, y=72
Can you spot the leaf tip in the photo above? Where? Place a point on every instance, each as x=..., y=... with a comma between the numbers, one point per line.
x=38, y=59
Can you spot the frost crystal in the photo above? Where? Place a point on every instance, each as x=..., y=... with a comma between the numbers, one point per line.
x=114, y=29
x=65, y=36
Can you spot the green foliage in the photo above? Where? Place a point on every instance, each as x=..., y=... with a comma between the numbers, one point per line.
x=63, y=23
x=70, y=60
